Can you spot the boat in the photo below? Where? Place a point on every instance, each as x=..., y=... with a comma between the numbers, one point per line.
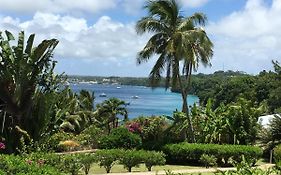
x=102, y=95
x=118, y=87
x=135, y=97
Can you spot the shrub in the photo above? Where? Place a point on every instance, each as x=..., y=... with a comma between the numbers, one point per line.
x=131, y=158
x=90, y=136
x=184, y=152
x=49, y=159
x=107, y=158
x=277, y=153
x=68, y=145
x=87, y=160
x=72, y=163
x=208, y=160
x=152, y=158
x=53, y=142
x=245, y=168
x=120, y=138
x=11, y=164
x=152, y=131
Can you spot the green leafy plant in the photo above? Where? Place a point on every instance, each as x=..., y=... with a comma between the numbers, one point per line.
x=90, y=136
x=186, y=152
x=244, y=168
x=87, y=160
x=208, y=160
x=72, y=163
x=26, y=75
x=11, y=164
x=277, y=153
x=120, y=138
x=131, y=158
x=107, y=158
x=152, y=158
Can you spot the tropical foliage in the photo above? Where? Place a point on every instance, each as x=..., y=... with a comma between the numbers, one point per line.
x=27, y=82
x=108, y=113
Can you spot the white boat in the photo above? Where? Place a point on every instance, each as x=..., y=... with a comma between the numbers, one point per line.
x=102, y=95
x=135, y=97
x=118, y=87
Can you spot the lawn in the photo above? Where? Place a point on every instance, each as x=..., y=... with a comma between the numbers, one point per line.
x=96, y=169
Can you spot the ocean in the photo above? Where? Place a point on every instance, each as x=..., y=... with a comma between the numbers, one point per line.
x=142, y=101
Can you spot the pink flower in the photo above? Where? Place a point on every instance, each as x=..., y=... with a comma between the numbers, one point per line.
x=134, y=127
x=40, y=162
x=29, y=162
x=2, y=145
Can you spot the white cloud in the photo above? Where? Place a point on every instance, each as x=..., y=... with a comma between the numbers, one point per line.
x=106, y=39
x=57, y=6
x=194, y=3
x=248, y=39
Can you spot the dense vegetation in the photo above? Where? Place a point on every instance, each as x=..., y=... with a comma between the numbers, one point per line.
x=185, y=152
x=40, y=115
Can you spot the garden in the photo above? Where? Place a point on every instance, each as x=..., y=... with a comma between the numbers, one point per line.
x=46, y=128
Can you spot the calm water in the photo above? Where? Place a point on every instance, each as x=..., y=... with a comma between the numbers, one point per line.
x=150, y=102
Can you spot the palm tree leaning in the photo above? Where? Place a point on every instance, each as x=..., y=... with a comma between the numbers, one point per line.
x=176, y=39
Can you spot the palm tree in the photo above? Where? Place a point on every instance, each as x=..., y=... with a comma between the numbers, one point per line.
x=175, y=39
x=109, y=110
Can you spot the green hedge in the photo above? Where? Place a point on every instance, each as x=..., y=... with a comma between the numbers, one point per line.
x=129, y=158
x=185, y=153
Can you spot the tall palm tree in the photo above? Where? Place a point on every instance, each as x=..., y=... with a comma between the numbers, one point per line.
x=109, y=110
x=175, y=39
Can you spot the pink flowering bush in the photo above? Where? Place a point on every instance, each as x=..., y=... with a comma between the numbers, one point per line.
x=134, y=127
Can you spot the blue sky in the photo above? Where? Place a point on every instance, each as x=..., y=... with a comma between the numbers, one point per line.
x=98, y=37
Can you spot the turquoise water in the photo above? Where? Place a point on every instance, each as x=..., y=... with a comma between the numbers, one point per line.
x=149, y=102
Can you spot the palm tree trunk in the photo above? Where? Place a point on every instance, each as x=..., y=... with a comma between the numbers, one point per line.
x=185, y=109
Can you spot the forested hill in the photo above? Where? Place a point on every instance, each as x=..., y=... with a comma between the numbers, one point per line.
x=144, y=81
x=222, y=86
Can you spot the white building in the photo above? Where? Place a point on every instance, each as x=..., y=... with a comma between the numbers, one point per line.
x=265, y=120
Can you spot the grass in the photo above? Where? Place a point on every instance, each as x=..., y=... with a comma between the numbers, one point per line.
x=96, y=169
x=117, y=168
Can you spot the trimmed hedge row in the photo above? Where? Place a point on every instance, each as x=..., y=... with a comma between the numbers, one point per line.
x=129, y=158
x=186, y=153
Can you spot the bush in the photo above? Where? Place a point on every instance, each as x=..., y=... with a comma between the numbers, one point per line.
x=72, y=163
x=208, y=160
x=184, y=152
x=90, y=136
x=107, y=158
x=53, y=142
x=277, y=153
x=87, y=160
x=245, y=168
x=49, y=159
x=152, y=158
x=152, y=130
x=131, y=158
x=11, y=164
x=120, y=138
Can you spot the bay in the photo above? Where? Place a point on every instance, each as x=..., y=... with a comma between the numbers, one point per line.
x=143, y=101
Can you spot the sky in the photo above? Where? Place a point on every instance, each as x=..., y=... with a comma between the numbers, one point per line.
x=98, y=37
